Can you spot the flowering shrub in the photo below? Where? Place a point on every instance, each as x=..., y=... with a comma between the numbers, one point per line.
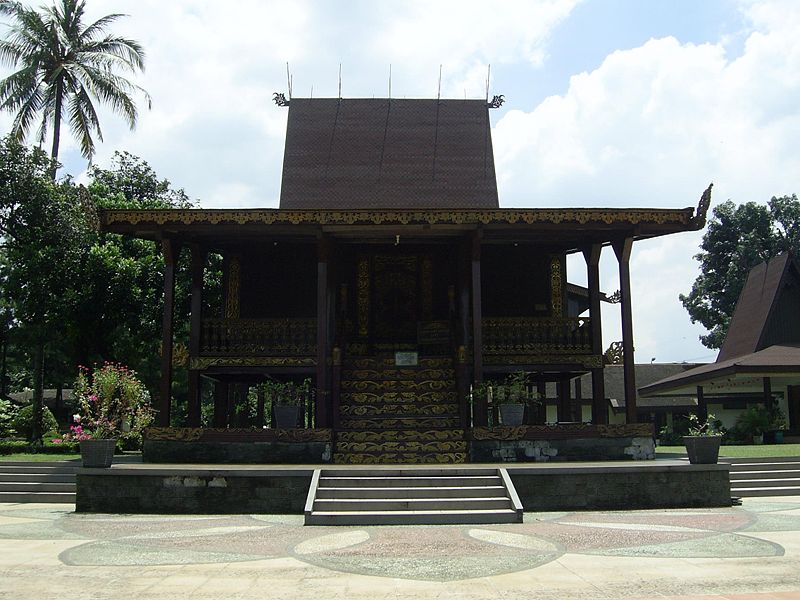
x=113, y=404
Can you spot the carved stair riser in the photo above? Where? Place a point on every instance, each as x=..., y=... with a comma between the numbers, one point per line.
x=400, y=458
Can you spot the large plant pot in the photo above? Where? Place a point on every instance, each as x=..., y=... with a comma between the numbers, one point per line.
x=287, y=416
x=702, y=450
x=97, y=453
x=512, y=414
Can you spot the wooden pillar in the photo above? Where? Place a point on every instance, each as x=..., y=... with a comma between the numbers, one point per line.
x=221, y=392
x=599, y=406
x=767, y=382
x=322, y=396
x=622, y=248
x=481, y=409
x=461, y=302
x=577, y=405
x=541, y=390
x=563, y=411
x=702, y=405
x=195, y=323
x=171, y=250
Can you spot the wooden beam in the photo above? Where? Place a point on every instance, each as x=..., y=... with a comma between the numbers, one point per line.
x=195, y=321
x=322, y=388
x=702, y=405
x=563, y=412
x=599, y=406
x=622, y=248
x=171, y=250
x=221, y=391
x=481, y=409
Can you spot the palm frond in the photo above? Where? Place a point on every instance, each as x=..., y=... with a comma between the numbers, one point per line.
x=83, y=121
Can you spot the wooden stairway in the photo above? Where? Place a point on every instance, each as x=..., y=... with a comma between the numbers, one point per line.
x=411, y=496
x=393, y=415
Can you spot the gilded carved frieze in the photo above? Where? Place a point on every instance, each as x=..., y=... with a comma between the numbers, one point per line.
x=556, y=288
x=211, y=434
x=362, y=296
x=581, y=216
x=204, y=362
x=563, y=431
x=233, y=291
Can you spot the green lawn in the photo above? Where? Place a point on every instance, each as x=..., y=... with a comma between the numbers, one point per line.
x=765, y=451
x=40, y=457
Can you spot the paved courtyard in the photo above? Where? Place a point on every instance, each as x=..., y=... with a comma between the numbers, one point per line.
x=750, y=551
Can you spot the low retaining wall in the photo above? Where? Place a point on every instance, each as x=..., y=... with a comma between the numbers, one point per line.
x=179, y=489
x=237, y=446
x=191, y=490
x=561, y=442
x=622, y=486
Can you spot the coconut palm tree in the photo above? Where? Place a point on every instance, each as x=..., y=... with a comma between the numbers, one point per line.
x=63, y=67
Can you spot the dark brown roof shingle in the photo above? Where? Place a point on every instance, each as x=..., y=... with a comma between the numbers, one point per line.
x=381, y=153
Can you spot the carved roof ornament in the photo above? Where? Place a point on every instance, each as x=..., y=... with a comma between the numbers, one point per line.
x=280, y=99
x=699, y=218
x=496, y=102
x=614, y=298
x=614, y=355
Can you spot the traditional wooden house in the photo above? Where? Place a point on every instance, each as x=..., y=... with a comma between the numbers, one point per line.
x=391, y=276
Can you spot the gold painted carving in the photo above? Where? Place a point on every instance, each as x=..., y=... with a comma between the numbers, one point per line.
x=211, y=434
x=563, y=431
x=399, y=458
x=400, y=435
x=234, y=281
x=588, y=361
x=178, y=434
x=556, y=287
x=680, y=218
x=362, y=296
x=205, y=362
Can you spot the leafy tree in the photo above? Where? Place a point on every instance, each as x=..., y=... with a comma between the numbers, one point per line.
x=42, y=229
x=737, y=239
x=63, y=67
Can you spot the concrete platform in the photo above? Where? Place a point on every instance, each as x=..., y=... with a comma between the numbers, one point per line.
x=205, y=489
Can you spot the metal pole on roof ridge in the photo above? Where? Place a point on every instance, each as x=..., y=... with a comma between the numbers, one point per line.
x=288, y=80
x=488, y=79
x=390, y=81
x=340, y=81
x=439, y=91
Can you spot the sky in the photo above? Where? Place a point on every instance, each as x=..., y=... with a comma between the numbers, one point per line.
x=609, y=103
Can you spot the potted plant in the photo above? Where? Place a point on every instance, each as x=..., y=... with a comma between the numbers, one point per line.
x=778, y=425
x=755, y=421
x=514, y=394
x=113, y=404
x=703, y=441
x=288, y=401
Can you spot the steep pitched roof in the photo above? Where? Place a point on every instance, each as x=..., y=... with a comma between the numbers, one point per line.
x=387, y=154
x=767, y=310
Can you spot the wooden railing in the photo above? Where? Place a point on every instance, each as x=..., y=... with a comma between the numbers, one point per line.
x=258, y=337
x=523, y=335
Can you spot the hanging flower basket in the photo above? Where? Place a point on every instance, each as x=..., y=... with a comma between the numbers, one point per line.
x=97, y=454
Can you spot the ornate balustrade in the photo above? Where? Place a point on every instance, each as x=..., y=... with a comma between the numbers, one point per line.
x=525, y=335
x=258, y=337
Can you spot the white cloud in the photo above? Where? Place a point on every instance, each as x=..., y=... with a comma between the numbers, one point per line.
x=652, y=126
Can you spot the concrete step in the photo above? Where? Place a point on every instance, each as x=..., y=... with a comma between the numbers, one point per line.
x=373, y=481
x=483, y=491
x=766, y=482
x=742, y=475
x=410, y=517
x=409, y=504
x=753, y=492
x=55, y=477
x=39, y=467
x=37, y=487
x=411, y=496
x=45, y=497
x=766, y=465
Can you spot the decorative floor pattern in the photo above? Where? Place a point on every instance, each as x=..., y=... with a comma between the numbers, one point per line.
x=428, y=553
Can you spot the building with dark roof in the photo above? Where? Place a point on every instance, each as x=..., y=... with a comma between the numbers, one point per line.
x=759, y=362
x=392, y=278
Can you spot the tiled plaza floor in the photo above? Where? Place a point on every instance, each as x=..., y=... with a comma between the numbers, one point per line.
x=751, y=551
